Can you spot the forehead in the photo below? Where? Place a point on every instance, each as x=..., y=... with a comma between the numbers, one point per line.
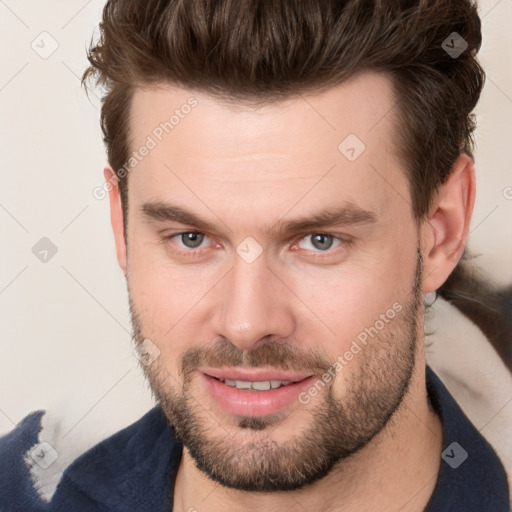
x=338, y=142
x=358, y=105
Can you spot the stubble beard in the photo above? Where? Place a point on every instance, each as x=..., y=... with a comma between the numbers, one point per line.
x=333, y=428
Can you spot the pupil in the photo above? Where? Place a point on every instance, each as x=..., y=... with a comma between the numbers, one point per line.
x=192, y=240
x=322, y=241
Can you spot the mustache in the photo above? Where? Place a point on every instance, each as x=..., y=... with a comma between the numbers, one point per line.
x=276, y=355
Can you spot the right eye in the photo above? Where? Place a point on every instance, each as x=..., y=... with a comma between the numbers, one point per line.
x=187, y=243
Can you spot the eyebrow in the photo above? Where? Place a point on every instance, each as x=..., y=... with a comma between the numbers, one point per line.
x=347, y=215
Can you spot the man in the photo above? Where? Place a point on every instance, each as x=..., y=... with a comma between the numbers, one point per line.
x=290, y=183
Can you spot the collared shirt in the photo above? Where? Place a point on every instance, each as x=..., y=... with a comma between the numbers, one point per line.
x=134, y=470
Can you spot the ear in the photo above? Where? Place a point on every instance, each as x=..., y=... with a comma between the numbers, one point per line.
x=445, y=230
x=116, y=215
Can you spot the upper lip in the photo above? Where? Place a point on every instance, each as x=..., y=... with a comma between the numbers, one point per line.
x=254, y=375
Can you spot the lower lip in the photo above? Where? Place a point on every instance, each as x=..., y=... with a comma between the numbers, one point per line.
x=243, y=402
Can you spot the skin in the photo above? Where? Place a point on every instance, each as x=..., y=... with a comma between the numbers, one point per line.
x=245, y=168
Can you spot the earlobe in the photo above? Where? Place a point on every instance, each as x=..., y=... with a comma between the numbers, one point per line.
x=116, y=214
x=446, y=228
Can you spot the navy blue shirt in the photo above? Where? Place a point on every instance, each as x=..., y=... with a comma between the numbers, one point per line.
x=134, y=470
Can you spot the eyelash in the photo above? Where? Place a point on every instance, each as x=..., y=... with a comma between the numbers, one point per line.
x=344, y=242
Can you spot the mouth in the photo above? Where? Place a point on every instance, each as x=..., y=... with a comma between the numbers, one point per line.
x=256, y=393
x=229, y=375
x=263, y=385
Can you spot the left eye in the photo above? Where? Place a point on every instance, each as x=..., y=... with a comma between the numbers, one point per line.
x=190, y=239
x=319, y=242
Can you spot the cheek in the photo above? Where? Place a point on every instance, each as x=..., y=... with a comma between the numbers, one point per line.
x=158, y=293
x=341, y=303
x=155, y=279
x=170, y=299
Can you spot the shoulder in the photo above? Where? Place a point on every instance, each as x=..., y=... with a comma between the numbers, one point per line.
x=37, y=452
x=478, y=382
x=19, y=451
x=130, y=470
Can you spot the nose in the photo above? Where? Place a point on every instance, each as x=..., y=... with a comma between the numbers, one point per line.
x=253, y=305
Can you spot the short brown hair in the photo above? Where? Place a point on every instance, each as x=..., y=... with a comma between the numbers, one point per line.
x=260, y=51
x=264, y=50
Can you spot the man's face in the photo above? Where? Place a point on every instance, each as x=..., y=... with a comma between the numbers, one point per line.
x=254, y=290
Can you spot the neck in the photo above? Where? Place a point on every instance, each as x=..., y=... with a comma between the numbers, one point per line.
x=397, y=470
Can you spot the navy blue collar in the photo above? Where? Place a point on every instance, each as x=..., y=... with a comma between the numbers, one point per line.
x=471, y=477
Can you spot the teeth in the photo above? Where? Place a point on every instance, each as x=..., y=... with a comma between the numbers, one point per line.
x=261, y=386
x=240, y=384
x=258, y=386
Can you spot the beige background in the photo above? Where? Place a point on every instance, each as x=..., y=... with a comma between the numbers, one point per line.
x=65, y=325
